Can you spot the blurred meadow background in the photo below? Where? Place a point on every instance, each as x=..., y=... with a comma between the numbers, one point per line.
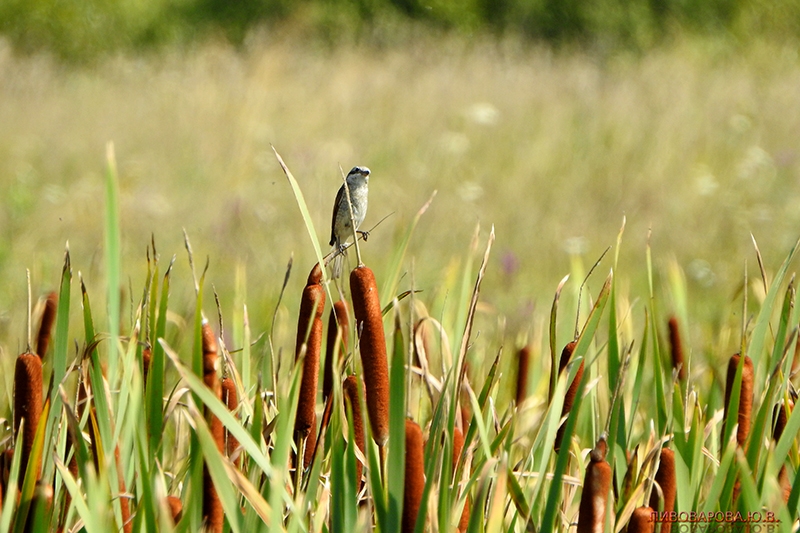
x=549, y=120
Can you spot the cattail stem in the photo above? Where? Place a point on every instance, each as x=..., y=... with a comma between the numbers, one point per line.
x=338, y=329
x=678, y=360
x=369, y=321
x=27, y=404
x=523, y=360
x=596, y=486
x=231, y=401
x=46, y=325
x=458, y=447
x=415, y=476
x=572, y=391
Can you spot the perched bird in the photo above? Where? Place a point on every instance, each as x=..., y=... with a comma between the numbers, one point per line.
x=341, y=227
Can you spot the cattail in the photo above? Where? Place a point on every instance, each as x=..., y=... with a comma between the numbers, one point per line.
x=572, y=391
x=27, y=404
x=678, y=361
x=458, y=446
x=309, y=323
x=523, y=359
x=642, y=521
x=147, y=356
x=338, y=327
x=175, y=508
x=745, y=396
x=665, y=477
x=350, y=392
x=231, y=401
x=311, y=444
x=369, y=321
x=46, y=326
x=596, y=485
x=213, y=514
x=415, y=476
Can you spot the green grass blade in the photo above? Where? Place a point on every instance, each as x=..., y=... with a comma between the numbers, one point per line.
x=154, y=395
x=758, y=336
x=395, y=467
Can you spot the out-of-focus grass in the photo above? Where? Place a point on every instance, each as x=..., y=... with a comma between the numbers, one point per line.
x=697, y=141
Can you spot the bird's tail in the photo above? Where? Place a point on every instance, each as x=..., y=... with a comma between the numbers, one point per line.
x=336, y=270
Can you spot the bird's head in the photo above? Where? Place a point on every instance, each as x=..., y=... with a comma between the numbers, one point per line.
x=358, y=174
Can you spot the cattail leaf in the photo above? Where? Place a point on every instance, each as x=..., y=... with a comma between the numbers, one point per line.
x=208, y=399
x=92, y=520
x=714, y=500
x=304, y=212
x=553, y=340
x=757, y=338
x=11, y=489
x=396, y=457
x=214, y=462
x=517, y=496
x=61, y=338
x=155, y=380
x=32, y=471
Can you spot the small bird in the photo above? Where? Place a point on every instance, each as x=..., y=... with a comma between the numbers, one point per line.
x=341, y=227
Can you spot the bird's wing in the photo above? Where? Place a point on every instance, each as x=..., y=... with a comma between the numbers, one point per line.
x=339, y=198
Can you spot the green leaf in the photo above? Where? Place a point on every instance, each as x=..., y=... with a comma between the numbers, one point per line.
x=395, y=467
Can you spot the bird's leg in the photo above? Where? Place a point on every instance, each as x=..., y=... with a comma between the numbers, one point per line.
x=364, y=234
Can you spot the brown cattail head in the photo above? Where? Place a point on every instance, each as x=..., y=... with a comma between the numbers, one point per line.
x=27, y=403
x=213, y=514
x=231, y=401
x=642, y=521
x=46, y=326
x=309, y=323
x=781, y=416
x=369, y=321
x=210, y=350
x=596, y=486
x=458, y=446
x=745, y=396
x=566, y=355
x=666, y=480
x=678, y=361
x=572, y=391
x=147, y=356
x=415, y=476
x=338, y=327
x=350, y=391
x=311, y=445
x=523, y=360
x=175, y=508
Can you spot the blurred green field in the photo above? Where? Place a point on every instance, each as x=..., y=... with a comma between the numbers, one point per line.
x=696, y=140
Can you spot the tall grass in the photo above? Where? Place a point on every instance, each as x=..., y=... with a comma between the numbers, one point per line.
x=154, y=445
